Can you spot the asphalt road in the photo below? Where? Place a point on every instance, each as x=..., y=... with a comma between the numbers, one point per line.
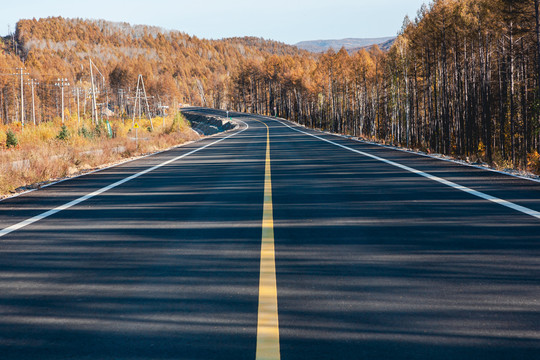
x=372, y=261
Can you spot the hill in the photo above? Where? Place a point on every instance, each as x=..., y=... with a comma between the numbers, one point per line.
x=350, y=44
x=435, y=89
x=176, y=67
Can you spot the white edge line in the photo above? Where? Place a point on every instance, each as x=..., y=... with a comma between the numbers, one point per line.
x=48, y=213
x=454, y=161
x=476, y=193
x=96, y=171
x=391, y=147
x=114, y=165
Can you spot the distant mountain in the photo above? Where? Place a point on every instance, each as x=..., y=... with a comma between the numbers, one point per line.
x=351, y=44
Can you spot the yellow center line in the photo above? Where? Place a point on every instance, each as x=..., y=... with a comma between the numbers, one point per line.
x=267, y=322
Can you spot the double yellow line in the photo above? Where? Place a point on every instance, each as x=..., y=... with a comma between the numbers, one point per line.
x=267, y=322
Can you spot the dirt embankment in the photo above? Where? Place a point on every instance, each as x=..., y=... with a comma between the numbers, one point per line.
x=206, y=124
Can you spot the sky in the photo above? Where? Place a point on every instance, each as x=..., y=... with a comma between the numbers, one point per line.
x=288, y=21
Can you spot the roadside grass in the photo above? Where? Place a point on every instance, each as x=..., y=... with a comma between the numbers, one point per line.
x=50, y=151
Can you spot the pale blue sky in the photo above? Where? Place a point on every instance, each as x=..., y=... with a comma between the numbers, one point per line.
x=289, y=21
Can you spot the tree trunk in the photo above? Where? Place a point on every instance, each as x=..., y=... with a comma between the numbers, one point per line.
x=537, y=13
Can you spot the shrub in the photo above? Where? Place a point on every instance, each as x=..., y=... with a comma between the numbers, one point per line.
x=84, y=132
x=11, y=139
x=63, y=134
x=176, y=124
x=98, y=130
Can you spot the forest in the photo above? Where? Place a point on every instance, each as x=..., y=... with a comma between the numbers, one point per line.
x=176, y=68
x=462, y=78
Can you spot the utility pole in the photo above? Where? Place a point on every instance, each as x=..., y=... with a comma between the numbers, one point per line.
x=32, y=83
x=94, y=105
x=140, y=87
x=77, y=90
x=92, y=65
x=78, y=108
x=61, y=83
x=136, y=102
x=162, y=112
x=122, y=107
x=86, y=95
x=147, y=106
x=21, y=74
x=33, y=104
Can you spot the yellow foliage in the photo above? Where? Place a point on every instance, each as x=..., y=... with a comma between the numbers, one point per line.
x=3, y=137
x=481, y=148
x=50, y=158
x=533, y=162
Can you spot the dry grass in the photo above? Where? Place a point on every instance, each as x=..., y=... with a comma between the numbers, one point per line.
x=41, y=156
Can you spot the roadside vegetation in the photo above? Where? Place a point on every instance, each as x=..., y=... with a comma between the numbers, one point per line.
x=55, y=67
x=462, y=79
x=31, y=156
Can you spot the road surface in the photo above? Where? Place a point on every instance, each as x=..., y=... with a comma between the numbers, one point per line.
x=368, y=253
